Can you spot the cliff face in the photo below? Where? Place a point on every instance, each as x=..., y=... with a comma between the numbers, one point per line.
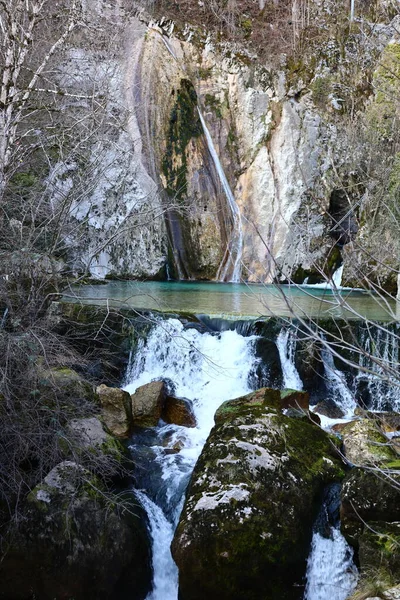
x=216, y=164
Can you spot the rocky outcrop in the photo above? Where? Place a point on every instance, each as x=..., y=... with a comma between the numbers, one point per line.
x=76, y=541
x=370, y=512
x=116, y=410
x=328, y=408
x=251, y=501
x=179, y=411
x=364, y=443
x=147, y=404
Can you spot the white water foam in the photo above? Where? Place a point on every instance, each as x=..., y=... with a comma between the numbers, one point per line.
x=165, y=582
x=380, y=367
x=337, y=385
x=334, y=283
x=331, y=574
x=207, y=369
x=286, y=344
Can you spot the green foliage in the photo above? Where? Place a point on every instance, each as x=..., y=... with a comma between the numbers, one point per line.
x=383, y=113
x=184, y=125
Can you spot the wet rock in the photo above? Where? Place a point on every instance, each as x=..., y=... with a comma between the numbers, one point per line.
x=76, y=541
x=369, y=496
x=116, y=410
x=252, y=501
x=179, y=411
x=148, y=403
x=328, y=408
x=364, y=443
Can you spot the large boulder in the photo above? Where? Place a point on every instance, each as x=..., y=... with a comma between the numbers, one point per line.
x=364, y=443
x=247, y=521
x=62, y=382
x=367, y=496
x=179, y=411
x=148, y=403
x=116, y=410
x=76, y=541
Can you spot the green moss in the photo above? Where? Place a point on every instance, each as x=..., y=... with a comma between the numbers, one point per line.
x=213, y=104
x=184, y=125
x=321, y=87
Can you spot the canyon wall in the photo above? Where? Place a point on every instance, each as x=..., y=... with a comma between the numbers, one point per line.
x=207, y=157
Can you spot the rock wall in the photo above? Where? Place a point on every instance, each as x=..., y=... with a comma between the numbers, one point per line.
x=156, y=192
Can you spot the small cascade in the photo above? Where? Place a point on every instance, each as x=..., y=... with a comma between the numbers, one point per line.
x=208, y=369
x=337, y=277
x=336, y=383
x=232, y=262
x=331, y=573
x=379, y=368
x=286, y=344
x=165, y=583
x=333, y=283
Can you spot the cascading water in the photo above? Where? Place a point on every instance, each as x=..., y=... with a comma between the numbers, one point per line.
x=286, y=344
x=234, y=258
x=336, y=384
x=231, y=263
x=208, y=369
x=331, y=573
x=380, y=368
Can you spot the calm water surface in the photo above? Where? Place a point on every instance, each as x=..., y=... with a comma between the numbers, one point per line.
x=237, y=300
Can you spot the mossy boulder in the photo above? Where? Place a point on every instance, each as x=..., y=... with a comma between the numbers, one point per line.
x=247, y=521
x=369, y=496
x=148, y=403
x=364, y=443
x=116, y=410
x=76, y=541
x=179, y=411
x=379, y=548
x=62, y=382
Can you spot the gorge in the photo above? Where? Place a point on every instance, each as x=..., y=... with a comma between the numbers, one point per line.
x=199, y=300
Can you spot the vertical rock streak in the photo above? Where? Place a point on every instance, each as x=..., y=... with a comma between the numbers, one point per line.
x=231, y=262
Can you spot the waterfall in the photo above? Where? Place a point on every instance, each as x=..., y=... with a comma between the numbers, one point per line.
x=336, y=383
x=165, y=583
x=286, y=344
x=208, y=369
x=331, y=573
x=381, y=359
x=236, y=242
x=334, y=283
x=337, y=277
x=231, y=261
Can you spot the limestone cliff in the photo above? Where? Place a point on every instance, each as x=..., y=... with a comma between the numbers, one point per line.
x=208, y=157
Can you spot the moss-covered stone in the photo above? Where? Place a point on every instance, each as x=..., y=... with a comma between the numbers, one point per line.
x=365, y=444
x=367, y=496
x=251, y=501
x=379, y=548
x=76, y=540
